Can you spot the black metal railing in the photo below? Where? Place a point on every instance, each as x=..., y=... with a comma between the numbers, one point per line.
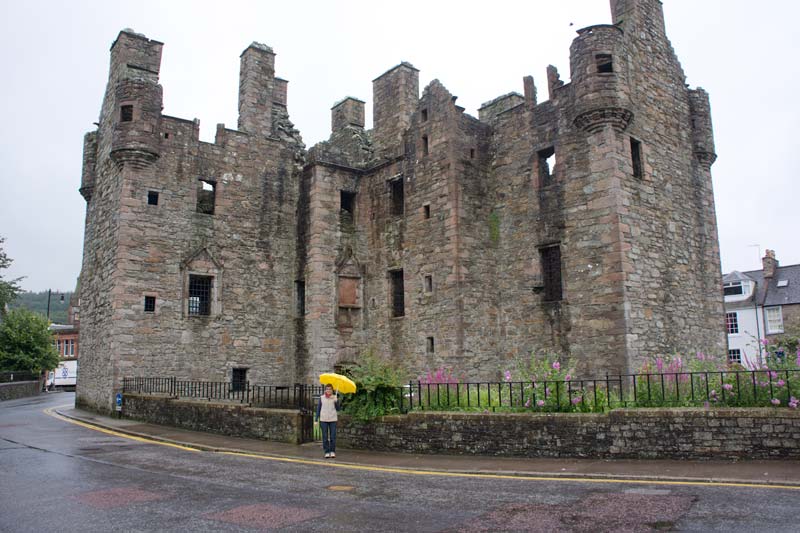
x=742, y=388
x=753, y=388
x=8, y=377
x=273, y=396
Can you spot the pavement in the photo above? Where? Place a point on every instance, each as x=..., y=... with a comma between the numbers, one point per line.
x=758, y=472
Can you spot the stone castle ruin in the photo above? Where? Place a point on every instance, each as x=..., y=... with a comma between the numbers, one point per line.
x=582, y=225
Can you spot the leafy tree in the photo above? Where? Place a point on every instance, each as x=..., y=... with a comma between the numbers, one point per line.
x=26, y=343
x=8, y=288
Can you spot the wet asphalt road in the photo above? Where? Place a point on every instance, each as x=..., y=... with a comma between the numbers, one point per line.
x=57, y=476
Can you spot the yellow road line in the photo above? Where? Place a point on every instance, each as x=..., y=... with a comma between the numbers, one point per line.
x=50, y=412
x=523, y=477
x=414, y=472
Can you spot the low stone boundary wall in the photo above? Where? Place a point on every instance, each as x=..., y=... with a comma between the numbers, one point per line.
x=19, y=389
x=625, y=433
x=282, y=425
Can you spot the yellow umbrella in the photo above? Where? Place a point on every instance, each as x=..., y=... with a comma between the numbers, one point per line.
x=339, y=382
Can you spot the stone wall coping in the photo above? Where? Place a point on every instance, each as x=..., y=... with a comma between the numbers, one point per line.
x=211, y=403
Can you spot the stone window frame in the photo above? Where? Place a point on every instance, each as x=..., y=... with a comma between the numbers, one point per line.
x=157, y=194
x=134, y=111
x=636, y=148
x=392, y=278
x=773, y=324
x=603, y=60
x=213, y=194
x=551, y=293
x=543, y=155
x=215, y=271
x=155, y=303
x=397, y=196
x=239, y=385
x=300, y=307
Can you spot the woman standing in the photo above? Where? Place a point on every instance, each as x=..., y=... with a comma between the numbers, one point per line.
x=327, y=415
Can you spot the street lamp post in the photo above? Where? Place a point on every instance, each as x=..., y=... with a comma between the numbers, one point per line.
x=49, y=291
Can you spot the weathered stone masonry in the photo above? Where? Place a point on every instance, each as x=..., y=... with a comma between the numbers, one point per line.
x=583, y=224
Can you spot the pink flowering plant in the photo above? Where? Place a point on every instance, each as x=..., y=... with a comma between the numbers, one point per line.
x=547, y=383
x=439, y=388
x=687, y=380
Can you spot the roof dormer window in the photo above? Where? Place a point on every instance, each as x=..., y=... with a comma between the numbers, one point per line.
x=733, y=288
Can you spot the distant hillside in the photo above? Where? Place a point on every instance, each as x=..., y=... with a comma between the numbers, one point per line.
x=37, y=302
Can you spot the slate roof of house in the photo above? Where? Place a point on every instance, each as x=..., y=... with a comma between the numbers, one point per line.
x=790, y=294
x=735, y=276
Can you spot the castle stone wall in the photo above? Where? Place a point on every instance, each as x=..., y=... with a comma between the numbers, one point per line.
x=582, y=225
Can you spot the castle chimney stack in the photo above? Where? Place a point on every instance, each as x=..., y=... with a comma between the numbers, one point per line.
x=347, y=112
x=395, y=96
x=256, y=87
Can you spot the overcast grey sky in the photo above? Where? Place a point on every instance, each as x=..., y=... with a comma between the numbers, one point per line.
x=54, y=58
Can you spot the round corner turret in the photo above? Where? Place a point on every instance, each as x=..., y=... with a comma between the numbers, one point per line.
x=136, y=121
x=599, y=71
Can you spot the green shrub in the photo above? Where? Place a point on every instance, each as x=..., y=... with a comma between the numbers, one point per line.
x=379, y=383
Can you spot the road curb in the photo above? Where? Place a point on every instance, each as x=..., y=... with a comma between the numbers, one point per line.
x=577, y=476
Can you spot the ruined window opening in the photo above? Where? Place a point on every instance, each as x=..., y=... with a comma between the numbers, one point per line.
x=149, y=304
x=238, y=379
x=424, y=115
x=547, y=163
x=636, y=158
x=126, y=113
x=551, y=272
x=426, y=211
x=347, y=201
x=605, y=63
x=398, y=198
x=166, y=135
x=398, y=293
x=735, y=356
x=424, y=145
x=430, y=348
x=428, y=283
x=206, y=197
x=472, y=153
x=152, y=198
x=300, y=297
x=200, y=295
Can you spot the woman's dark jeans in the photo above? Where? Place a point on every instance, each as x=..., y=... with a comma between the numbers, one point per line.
x=328, y=436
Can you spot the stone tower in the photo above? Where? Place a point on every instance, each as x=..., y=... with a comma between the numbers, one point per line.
x=187, y=243
x=582, y=225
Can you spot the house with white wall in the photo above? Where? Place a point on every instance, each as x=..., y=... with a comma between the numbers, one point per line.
x=760, y=305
